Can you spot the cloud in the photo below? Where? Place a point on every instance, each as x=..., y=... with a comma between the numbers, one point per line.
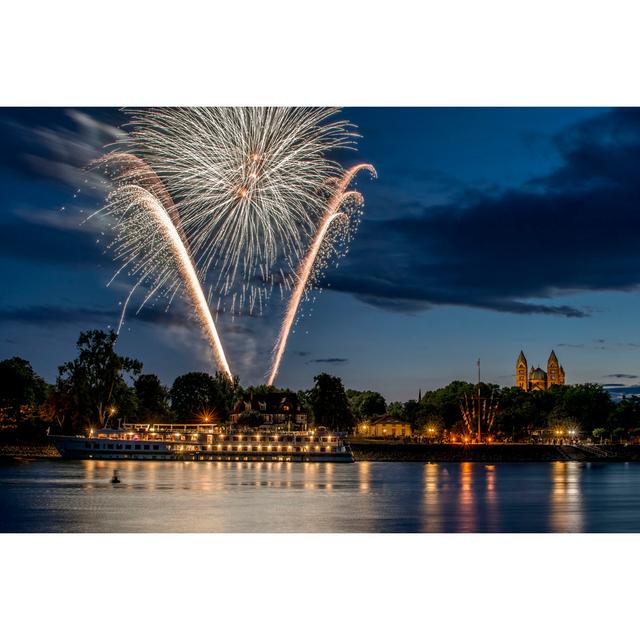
x=600, y=344
x=68, y=218
x=328, y=360
x=570, y=231
x=54, y=315
x=49, y=245
x=622, y=390
x=57, y=144
x=621, y=376
x=51, y=315
x=54, y=146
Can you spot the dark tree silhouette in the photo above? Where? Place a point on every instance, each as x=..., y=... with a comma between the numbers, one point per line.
x=94, y=383
x=329, y=404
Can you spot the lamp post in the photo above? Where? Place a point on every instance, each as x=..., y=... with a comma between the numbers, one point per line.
x=110, y=413
x=479, y=422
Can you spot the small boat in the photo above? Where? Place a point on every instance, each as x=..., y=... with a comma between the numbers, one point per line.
x=115, y=479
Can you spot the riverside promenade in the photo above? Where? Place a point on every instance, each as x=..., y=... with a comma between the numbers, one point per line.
x=398, y=451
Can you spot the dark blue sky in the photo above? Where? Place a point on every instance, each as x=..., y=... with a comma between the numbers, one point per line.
x=488, y=231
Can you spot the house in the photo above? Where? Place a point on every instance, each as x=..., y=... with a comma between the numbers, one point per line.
x=385, y=427
x=277, y=410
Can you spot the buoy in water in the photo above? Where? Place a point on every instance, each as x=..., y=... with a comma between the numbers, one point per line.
x=115, y=479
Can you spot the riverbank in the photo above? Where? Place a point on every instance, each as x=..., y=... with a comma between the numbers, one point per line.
x=28, y=451
x=396, y=451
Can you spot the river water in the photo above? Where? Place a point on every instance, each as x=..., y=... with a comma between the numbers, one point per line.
x=77, y=496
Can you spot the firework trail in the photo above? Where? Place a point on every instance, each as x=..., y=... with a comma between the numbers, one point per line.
x=251, y=185
x=339, y=197
x=127, y=169
x=138, y=208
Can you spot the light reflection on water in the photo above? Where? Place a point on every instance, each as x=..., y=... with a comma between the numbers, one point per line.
x=566, y=498
x=50, y=495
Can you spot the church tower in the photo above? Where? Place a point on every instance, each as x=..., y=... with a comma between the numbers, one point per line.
x=522, y=375
x=553, y=371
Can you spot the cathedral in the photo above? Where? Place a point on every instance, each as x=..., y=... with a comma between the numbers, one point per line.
x=534, y=379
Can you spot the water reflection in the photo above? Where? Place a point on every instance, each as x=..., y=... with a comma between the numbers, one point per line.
x=364, y=476
x=566, y=514
x=278, y=496
x=466, y=498
x=491, y=498
x=432, y=519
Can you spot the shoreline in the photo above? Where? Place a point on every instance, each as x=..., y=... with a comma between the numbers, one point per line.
x=391, y=451
x=28, y=451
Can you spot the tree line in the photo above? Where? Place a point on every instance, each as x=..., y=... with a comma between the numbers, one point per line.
x=586, y=409
x=102, y=388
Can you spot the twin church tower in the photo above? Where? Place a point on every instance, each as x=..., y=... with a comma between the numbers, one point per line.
x=534, y=379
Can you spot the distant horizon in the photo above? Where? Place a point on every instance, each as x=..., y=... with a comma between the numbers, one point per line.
x=487, y=232
x=615, y=390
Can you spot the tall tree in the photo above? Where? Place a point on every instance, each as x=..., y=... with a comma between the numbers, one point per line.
x=625, y=416
x=21, y=391
x=588, y=403
x=196, y=394
x=329, y=404
x=95, y=380
x=58, y=408
x=152, y=398
x=366, y=404
x=444, y=402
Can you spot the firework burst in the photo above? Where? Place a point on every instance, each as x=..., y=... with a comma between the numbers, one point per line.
x=245, y=196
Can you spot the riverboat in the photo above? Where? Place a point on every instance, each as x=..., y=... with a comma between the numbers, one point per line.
x=196, y=442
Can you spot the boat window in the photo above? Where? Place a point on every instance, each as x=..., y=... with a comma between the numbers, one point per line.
x=87, y=445
x=137, y=446
x=156, y=447
x=127, y=446
x=96, y=445
x=146, y=447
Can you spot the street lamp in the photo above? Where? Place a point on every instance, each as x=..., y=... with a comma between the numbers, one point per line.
x=110, y=413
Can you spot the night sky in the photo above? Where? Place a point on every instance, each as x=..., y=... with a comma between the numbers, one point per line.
x=487, y=231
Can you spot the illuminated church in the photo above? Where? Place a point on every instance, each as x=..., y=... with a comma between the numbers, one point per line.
x=535, y=379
